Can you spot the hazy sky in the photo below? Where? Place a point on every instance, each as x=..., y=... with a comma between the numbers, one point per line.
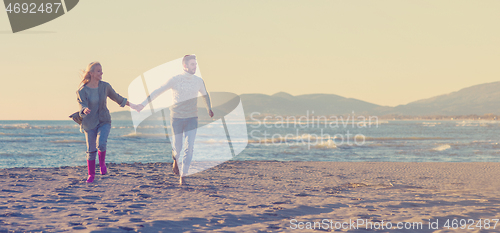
x=382, y=52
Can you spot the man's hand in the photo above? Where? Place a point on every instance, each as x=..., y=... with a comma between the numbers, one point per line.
x=86, y=111
x=139, y=107
x=210, y=113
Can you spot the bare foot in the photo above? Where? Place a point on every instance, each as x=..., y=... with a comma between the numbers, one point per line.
x=181, y=181
x=175, y=168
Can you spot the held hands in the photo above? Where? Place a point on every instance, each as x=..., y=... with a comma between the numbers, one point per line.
x=139, y=107
x=86, y=111
x=136, y=107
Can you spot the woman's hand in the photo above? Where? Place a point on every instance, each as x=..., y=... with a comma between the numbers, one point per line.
x=86, y=111
x=136, y=107
x=139, y=107
x=133, y=106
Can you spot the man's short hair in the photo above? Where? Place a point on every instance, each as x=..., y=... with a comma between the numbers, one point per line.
x=187, y=58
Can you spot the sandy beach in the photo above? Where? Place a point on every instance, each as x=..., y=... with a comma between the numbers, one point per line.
x=250, y=196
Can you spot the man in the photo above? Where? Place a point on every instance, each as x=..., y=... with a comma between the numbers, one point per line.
x=184, y=111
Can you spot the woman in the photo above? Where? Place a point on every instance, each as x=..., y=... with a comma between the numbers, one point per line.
x=96, y=123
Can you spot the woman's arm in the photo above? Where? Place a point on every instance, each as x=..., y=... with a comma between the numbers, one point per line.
x=111, y=93
x=81, y=98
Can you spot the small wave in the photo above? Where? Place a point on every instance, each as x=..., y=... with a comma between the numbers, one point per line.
x=15, y=134
x=404, y=138
x=386, y=145
x=61, y=132
x=68, y=141
x=15, y=126
x=430, y=124
x=142, y=135
x=28, y=126
x=442, y=147
x=330, y=144
x=16, y=140
x=20, y=154
x=212, y=141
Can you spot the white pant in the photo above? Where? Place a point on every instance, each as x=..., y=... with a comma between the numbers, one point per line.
x=183, y=130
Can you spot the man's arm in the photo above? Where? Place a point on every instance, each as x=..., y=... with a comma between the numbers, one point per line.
x=204, y=93
x=168, y=85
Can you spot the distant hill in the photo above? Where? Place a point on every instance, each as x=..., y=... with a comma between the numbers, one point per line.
x=479, y=99
x=322, y=104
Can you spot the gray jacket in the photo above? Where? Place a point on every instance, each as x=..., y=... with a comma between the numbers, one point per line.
x=91, y=120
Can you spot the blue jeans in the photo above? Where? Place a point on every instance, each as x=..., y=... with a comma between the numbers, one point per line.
x=97, y=139
x=183, y=128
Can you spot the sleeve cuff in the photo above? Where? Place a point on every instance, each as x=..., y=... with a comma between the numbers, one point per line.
x=124, y=102
x=82, y=115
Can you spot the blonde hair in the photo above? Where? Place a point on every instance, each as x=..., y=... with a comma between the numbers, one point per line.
x=85, y=73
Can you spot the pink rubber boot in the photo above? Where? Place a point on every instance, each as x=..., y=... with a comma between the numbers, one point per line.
x=102, y=163
x=91, y=168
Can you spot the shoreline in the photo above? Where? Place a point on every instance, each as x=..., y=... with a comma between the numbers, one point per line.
x=166, y=164
x=244, y=196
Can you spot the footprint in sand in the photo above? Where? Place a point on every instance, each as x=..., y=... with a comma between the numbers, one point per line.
x=92, y=197
x=137, y=206
x=121, y=212
x=85, y=202
x=19, y=207
x=215, y=195
x=302, y=195
x=126, y=228
x=124, y=200
x=274, y=226
x=143, y=195
x=282, y=202
x=259, y=206
x=11, y=191
x=106, y=219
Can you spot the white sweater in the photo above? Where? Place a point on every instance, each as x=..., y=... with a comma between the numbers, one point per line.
x=185, y=88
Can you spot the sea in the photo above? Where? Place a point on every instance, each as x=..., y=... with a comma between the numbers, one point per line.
x=60, y=143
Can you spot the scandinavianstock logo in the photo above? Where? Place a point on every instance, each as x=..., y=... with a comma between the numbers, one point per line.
x=217, y=139
x=25, y=14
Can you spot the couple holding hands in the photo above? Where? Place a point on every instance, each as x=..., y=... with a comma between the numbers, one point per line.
x=96, y=120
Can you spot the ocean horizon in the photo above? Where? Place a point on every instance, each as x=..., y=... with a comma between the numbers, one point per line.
x=59, y=142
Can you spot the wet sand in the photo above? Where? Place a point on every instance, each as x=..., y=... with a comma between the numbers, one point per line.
x=250, y=196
